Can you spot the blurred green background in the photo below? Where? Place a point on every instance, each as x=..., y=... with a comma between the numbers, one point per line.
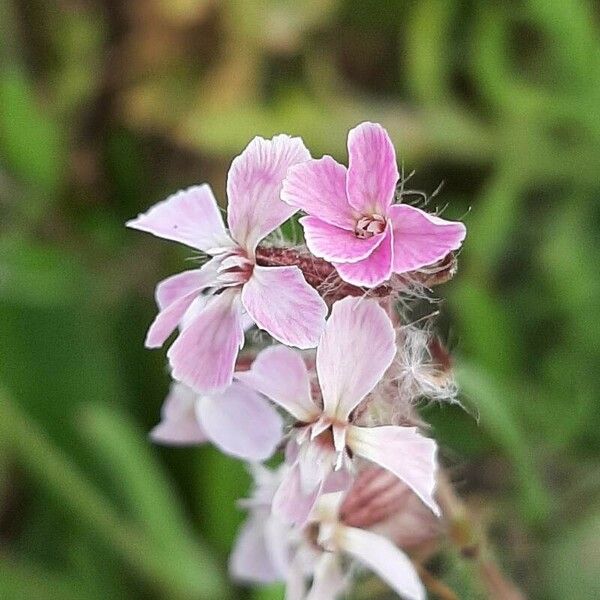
x=107, y=106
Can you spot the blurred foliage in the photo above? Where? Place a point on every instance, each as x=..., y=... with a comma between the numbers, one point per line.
x=106, y=106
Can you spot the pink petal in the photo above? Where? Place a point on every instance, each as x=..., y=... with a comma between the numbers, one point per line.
x=179, y=426
x=335, y=244
x=421, y=239
x=357, y=347
x=291, y=503
x=329, y=580
x=385, y=559
x=174, y=297
x=254, y=187
x=240, y=422
x=168, y=319
x=281, y=375
x=204, y=354
x=318, y=187
x=251, y=560
x=282, y=303
x=373, y=270
x=402, y=451
x=190, y=217
x=372, y=170
x=174, y=287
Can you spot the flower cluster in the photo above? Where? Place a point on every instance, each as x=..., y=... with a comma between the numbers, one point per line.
x=354, y=458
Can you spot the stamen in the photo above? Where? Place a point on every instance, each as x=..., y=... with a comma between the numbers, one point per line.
x=368, y=226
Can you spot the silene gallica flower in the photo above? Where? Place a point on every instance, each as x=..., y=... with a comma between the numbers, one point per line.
x=269, y=550
x=213, y=304
x=352, y=220
x=357, y=482
x=356, y=349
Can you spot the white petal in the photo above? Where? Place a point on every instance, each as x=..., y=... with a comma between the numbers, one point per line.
x=385, y=559
x=403, y=451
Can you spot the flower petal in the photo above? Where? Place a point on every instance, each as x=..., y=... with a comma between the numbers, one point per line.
x=168, y=319
x=373, y=270
x=179, y=426
x=204, y=354
x=290, y=503
x=403, y=451
x=281, y=375
x=174, y=296
x=421, y=239
x=335, y=244
x=240, y=422
x=372, y=170
x=251, y=560
x=318, y=187
x=254, y=187
x=174, y=287
x=357, y=347
x=282, y=303
x=190, y=217
x=329, y=580
x=385, y=559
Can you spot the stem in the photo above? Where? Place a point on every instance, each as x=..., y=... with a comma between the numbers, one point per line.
x=470, y=540
x=324, y=278
x=435, y=586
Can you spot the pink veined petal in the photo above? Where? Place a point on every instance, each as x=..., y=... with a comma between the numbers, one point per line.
x=385, y=559
x=421, y=239
x=174, y=297
x=204, y=354
x=356, y=349
x=251, y=560
x=290, y=503
x=178, y=426
x=329, y=580
x=168, y=319
x=373, y=270
x=281, y=375
x=404, y=452
x=240, y=422
x=372, y=170
x=254, y=187
x=283, y=304
x=190, y=217
x=318, y=187
x=174, y=287
x=335, y=244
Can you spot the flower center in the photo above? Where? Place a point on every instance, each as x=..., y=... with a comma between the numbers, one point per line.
x=368, y=226
x=235, y=269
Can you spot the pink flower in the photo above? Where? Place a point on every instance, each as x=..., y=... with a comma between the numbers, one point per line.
x=355, y=350
x=237, y=420
x=352, y=220
x=374, y=551
x=267, y=550
x=213, y=304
